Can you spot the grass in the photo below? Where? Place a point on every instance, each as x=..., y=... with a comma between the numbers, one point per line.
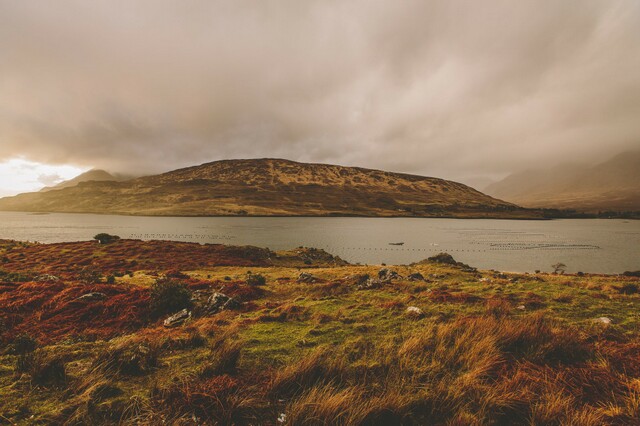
x=489, y=348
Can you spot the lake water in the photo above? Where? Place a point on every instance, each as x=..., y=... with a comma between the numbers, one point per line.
x=589, y=245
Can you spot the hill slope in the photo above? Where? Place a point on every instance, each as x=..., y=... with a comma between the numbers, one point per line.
x=92, y=175
x=612, y=185
x=270, y=187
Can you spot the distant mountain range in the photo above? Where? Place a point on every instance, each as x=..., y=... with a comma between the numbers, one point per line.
x=611, y=185
x=267, y=187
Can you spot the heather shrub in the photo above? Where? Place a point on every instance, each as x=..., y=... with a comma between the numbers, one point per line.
x=169, y=296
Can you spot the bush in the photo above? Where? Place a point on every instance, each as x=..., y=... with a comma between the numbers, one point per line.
x=22, y=345
x=130, y=358
x=629, y=288
x=103, y=238
x=44, y=369
x=256, y=279
x=168, y=297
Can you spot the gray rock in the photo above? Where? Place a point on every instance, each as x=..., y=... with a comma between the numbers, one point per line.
x=177, y=319
x=386, y=274
x=414, y=312
x=307, y=278
x=357, y=279
x=47, y=278
x=371, y=284
x=604, y=320
x=219, y=302
x=92, y=297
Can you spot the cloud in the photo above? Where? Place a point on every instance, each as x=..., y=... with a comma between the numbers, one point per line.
x=50, y=179
x=458, y=89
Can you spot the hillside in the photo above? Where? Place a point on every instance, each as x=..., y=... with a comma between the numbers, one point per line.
x=270, y=187
x=89, y=336
x=612, y=185
x=92, y=175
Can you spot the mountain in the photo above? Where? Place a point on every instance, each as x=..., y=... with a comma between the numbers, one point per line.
x=270, y=187
x=92, y=175
x=611, y=185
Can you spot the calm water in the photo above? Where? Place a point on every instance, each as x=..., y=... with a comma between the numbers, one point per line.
x=608, y=246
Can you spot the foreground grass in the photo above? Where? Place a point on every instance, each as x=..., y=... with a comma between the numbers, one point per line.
x=484, y=347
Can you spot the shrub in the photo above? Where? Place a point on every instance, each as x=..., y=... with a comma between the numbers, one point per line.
x=168, y=297
x=104, y=238
x=130, y=358
x=629, y=288
x=111, y=279
x=22, y=345
x=44, y=369
x=256, y=279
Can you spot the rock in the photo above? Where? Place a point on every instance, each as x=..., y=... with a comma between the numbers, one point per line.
x=177, y=319
x=357, y=279
x=307, y=278
x=371, y=284
x=416, y=276
x=46, y=278
x=521, y=307
x=92, y=297
x=414, y=312
x=467, y=268
x=218, y=302
x=484, y=280
x=386, y=274
x=603, y=320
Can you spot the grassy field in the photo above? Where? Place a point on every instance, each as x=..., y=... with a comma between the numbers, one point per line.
x=310, y=340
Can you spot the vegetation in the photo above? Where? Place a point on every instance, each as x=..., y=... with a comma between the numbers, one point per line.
x=169, y=296
x=487, y=347
x=103, y=238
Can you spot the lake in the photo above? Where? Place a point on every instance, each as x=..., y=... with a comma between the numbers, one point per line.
x=588, y=245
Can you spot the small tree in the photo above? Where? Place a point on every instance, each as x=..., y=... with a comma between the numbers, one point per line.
x=559, y=268
x=105, y=238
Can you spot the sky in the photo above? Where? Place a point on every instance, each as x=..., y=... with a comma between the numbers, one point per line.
x=463, y=90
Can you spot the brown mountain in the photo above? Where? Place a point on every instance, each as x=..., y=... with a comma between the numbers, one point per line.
x=270, y=187
x=612, y=185
x=92, y=175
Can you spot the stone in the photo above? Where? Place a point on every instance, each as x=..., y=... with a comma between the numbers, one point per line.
x=307, y=278
x=47, y=278
x=92, y=297
x=177, y=319
x=386, y=274
x=521, y=307
x=414, y=312
x=604, y=320
x=218, y=302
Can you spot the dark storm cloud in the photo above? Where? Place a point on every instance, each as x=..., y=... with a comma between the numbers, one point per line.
x=459, y=89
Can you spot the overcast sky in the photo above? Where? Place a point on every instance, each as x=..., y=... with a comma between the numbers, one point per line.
x=465, y=90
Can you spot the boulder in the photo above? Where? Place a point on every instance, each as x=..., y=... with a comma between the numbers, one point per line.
x=307, y=278
x=357, y=279
x=371, y=284
x=603, y=320
x=414, y=312
x=177, y=319
x=47, y=278
x=218, y=302
x=386, y=274
x=92, y=297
